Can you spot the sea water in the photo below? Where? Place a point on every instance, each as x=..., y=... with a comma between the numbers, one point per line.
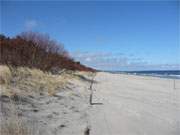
x=173, y=74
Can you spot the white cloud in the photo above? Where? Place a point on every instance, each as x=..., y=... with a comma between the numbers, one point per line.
x=118, y=61
x=88, y=59
x=30, y=24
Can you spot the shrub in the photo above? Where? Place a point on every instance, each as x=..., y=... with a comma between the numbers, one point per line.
x=36, y=50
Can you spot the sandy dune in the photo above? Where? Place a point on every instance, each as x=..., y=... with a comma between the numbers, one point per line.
x=132, y=105
x=41, y=104
x=135, y=105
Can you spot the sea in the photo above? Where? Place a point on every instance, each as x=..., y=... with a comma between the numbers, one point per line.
x=172, y=74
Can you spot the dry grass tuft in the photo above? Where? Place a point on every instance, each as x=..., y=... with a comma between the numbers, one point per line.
x=18, y=83
x=12, y=124
x=5, y=75
x=28, y=81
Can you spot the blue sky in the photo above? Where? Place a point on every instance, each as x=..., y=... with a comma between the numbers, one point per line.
x=119, y=35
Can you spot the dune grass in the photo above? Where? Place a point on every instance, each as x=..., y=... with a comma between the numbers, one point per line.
x=19, y=83
x=28, y=81
x=13, y=124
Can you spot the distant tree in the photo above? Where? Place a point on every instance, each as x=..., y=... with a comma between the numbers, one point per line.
x=2, y=37
x=43, y=41
x=78, y=63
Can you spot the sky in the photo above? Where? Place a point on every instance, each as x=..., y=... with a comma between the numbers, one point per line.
x=106, y=35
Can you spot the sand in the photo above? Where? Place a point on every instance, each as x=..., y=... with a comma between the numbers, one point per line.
x=131, y=105
x=135, y=105
x=63, y=113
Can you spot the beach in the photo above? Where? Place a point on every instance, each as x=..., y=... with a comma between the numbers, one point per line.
x=82, y=67
x=121, y=104
x=135, y=105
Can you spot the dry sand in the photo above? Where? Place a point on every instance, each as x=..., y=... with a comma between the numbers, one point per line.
x=33, y=110
x=131, y=105
x=135, y=105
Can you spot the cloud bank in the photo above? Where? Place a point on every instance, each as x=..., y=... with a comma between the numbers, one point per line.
x=118, y=62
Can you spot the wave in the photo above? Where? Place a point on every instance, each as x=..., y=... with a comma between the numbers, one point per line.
x=173, y=74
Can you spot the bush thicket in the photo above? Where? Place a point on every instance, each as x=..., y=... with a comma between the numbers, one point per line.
x=36, y=50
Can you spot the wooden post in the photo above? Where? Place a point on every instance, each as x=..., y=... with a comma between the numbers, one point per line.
x=91, y=89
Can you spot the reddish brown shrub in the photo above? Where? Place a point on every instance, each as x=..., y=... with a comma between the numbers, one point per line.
x=36, y=50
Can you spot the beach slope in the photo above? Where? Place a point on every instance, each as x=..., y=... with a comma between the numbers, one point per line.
x=135, y=105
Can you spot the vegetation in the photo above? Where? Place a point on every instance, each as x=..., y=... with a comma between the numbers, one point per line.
x=22, y=62
x=35, y=50
x=21, y=87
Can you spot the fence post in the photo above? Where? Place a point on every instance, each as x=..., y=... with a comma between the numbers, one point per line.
x=91, y=89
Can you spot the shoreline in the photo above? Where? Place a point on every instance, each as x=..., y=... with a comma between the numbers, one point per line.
x=148, y=75
x=121, y=104
x=134, y=105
